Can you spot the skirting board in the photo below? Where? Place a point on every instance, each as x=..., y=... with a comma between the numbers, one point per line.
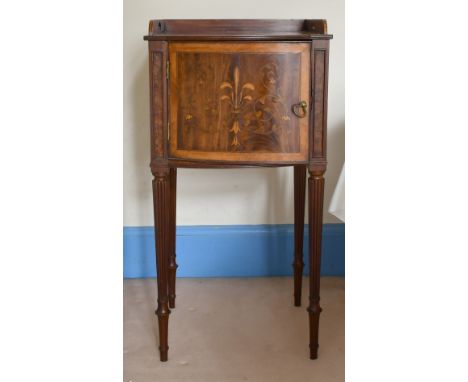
x=232, y=251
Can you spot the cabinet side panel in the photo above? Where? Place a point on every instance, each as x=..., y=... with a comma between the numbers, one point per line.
x=158, y=100
x=318, y=116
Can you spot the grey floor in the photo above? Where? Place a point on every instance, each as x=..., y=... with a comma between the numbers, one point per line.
x=233, y=329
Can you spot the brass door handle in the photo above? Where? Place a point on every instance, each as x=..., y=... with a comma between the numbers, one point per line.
x=300, y=106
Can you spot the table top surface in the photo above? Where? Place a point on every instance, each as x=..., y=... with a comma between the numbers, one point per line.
x=237, y=29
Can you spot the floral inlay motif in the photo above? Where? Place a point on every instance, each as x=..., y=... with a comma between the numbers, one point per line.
x=238, y=100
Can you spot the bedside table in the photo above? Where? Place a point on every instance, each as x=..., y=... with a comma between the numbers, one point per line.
x=238, y=93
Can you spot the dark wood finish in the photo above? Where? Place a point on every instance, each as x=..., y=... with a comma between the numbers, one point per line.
x=172, y=236
x=299, y=207
x=161, y=186
x=234, y=101
x=158, y=99
x=237, y=30
x=318, y=118
x=293, y=37
x=252, y=110
x=200, y=163
x=316, y=186
x=207, y=78
x=161, y=222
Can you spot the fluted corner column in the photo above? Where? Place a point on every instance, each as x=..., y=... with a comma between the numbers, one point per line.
x=299, y=207
x=316, y=185
x=161, y=193
x=172, y=236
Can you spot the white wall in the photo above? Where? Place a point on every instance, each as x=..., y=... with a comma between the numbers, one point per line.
x=238, y=196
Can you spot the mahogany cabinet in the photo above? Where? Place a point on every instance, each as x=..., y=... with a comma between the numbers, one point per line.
x=234, y=93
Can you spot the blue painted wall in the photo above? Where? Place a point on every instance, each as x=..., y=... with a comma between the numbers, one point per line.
x=232, y=251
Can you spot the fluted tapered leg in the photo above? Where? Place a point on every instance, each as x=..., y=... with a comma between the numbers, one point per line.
x=172, y=236
x=161, y=191
x=316, y=187
x=299, y=206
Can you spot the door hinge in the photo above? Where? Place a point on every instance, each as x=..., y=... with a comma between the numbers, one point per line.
x=167, y=70
x=168, y=131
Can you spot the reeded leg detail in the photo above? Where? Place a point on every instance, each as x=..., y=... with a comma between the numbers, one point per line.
x=316, y=186
x=299, y=206
x=172, y=236
x=161, y=218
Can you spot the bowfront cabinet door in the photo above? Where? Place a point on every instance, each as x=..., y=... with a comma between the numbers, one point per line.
x=239, y=101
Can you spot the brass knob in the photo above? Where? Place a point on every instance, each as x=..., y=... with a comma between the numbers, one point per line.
x=300, y=106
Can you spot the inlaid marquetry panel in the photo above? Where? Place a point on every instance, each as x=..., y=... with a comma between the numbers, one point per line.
x=158, y=94
x=157, y=103
x=319, y=60
x=234, y=101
